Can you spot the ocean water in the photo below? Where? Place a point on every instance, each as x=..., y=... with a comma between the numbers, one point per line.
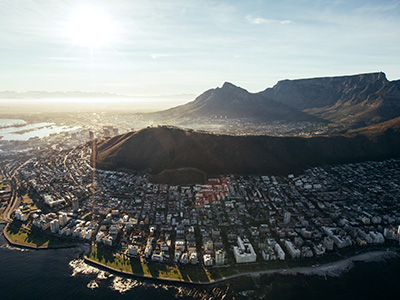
x=11, y=122
x=60, y=274
x=39, y=130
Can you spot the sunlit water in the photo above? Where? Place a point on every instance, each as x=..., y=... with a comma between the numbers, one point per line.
x=11, y=122
x=24, y=133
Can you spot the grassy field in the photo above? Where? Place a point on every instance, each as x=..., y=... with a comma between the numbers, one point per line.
x=31, y=205
x=20, y=235
x=189, y=273
x=26, y=199
x=108, y=258
x=193, y=274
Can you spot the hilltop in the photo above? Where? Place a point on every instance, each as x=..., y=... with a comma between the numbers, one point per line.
x=233, y=102
x=154, y=150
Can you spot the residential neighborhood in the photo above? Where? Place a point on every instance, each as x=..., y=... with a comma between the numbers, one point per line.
x=229, y=220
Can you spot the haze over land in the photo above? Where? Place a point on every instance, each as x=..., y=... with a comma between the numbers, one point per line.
x=290, y=107
x=44, y=102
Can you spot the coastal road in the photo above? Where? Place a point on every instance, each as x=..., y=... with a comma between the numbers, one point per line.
x=14, y=200
x=329, y=269
x=66, y=167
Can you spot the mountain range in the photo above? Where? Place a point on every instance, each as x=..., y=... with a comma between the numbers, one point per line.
x=234, y=102
x=368, y=104
x=355, y=100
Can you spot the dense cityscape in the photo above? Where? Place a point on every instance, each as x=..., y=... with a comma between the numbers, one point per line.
x=228, y=221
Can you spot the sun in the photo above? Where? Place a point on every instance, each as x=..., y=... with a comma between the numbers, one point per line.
x=91, y=27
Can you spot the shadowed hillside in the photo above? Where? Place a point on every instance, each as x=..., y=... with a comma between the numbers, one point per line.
x=357, y=99
x=154, y=150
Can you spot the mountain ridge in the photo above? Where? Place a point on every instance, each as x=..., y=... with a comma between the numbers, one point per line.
x=353, y=100
x=235, y=102
x=154, y=150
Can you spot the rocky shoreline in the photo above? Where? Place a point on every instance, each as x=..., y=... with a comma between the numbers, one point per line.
x=333, y=269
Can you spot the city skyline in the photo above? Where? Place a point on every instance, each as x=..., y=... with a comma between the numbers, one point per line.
x=180, y=47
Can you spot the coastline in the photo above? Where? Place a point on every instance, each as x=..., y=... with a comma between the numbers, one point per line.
x=333, y=269
x=22, y=245
x=98, y=264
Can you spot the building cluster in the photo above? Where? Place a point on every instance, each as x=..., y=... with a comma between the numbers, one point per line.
x=221, y=124
x=229, y=220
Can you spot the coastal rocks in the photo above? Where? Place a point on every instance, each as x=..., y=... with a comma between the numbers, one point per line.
x=123, y=285
x=80, y=267
x=93, y=285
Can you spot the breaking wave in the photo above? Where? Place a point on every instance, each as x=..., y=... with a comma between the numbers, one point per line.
x=123, y=285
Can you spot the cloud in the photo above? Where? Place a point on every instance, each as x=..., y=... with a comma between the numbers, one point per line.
x=286, y=22
x=259, y=20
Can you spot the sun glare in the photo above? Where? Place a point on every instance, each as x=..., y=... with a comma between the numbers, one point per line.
x=90, y=27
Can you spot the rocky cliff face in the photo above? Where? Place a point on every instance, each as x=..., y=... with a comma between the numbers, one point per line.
x=328, y=91
x=364, y=98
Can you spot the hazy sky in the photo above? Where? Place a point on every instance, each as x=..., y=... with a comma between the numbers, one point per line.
x=170, y=47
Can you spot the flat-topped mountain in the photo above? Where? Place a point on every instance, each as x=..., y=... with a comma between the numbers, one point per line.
x=363, y=98
x=233, y=102
x=356, y=100
x=327, y=91
x=154, y=150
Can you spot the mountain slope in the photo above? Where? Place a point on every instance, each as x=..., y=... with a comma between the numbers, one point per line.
x=154, y=150
x=359, y=99
x=353, y=101
x=234, y=102
x=376, y=130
